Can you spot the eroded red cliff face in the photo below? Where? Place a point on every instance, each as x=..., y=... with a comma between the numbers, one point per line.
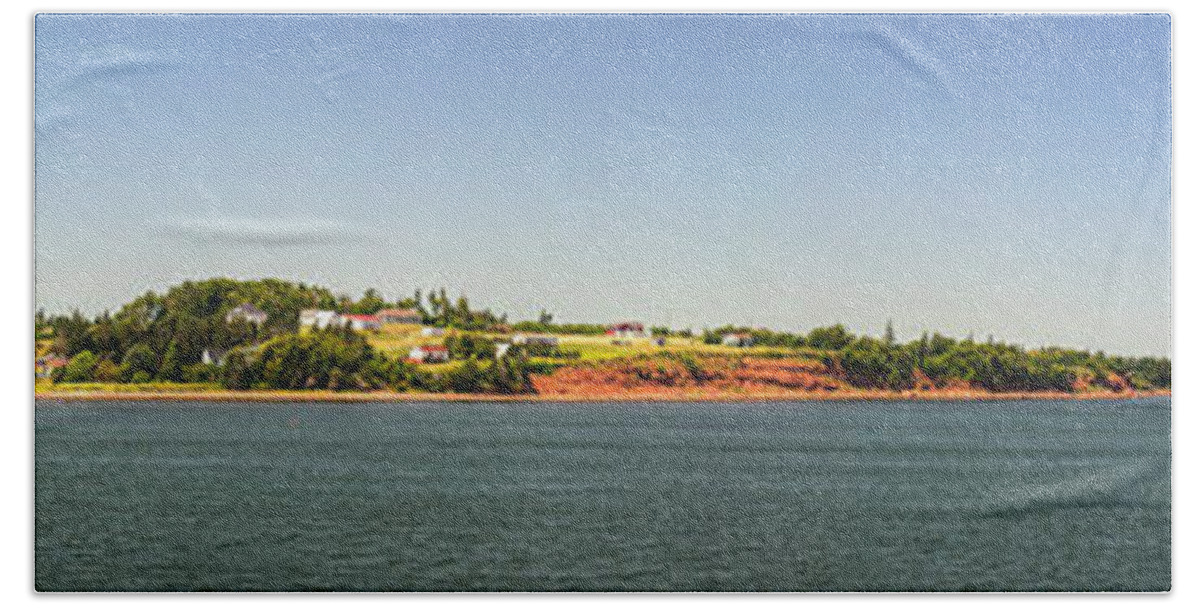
x=718, y=375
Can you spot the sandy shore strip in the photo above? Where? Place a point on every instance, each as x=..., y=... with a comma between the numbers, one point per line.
x=662, y=396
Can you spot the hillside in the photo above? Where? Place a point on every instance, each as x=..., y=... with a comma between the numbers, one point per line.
x=247, y=335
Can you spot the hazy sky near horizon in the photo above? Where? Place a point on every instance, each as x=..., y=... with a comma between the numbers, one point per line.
x=1003, y=175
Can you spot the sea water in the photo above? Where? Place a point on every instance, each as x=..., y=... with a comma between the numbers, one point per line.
x=903, y=495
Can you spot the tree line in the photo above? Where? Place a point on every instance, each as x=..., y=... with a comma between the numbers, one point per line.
x=341, y=359
x=163, y=337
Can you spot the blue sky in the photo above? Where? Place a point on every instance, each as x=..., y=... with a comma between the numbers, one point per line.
x=1004, y=175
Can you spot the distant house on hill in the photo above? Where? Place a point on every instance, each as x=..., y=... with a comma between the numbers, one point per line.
x=320, y=319
x=433, y=332
x=44, y=367
x=399, y=315
x=740, y=339
x=626, y=329
x=248, y=313
x=429, y=354
x=362, y=322
x=532, y=339
x=214, y=356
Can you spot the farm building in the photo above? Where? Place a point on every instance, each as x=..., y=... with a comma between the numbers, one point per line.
x=320, y=319
x=246, y=312
x=429, y=354
x=626, y=329
x=362, y=322
x=433, y=332
x=532, y=339
x=738, y=339
x=409, y=316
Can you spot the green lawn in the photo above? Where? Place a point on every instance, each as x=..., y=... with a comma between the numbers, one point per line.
x=42, y=386
x=601, y=348
x=397, y=340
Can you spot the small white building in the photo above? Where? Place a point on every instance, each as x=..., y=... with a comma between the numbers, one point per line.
x=435, y=353
x=320, y=319
x=362, y=322
x=248, y=313
x=214, y=356
x=534, y=340
x=502, y=349
x=407, y=316
x=741, y=340
x=433, y=332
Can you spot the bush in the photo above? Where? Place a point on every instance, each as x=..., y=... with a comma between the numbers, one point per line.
x=200, y=372
x=317, y=360
x=81, y=368
x=466, y=378
x=139, y=359
x=107, y=371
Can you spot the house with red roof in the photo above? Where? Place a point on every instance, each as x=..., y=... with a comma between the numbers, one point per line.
x=626, y=329
x=44, y=366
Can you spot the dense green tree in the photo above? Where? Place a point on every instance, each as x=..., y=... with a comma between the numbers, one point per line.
x=171, y=369
x=467, y=378
x=107, y=371
x=830, y=338
x=140, y=358
x=369, y=304
x=80, y=368
x=316, y=360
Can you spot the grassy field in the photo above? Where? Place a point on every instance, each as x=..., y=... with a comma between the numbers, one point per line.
x=601, y=348
x=44, y=387
x=41, y=347
x=397, y=340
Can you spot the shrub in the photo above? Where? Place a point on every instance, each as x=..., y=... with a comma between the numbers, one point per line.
x=139, y=359
x=81, y=368
x=107, y=371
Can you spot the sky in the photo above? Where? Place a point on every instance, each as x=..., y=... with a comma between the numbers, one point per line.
x=985, y=175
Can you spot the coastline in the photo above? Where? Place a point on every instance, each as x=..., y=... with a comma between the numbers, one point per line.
x=658, y=397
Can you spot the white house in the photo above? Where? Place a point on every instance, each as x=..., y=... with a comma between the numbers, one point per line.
x=320, y=319
x=429, y=354
x=433, y=332
x=532, y=339
x=248, y=313
x=362, y=322
x=739, y=339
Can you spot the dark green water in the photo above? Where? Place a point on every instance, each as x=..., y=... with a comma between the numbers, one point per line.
x=1028, y=495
